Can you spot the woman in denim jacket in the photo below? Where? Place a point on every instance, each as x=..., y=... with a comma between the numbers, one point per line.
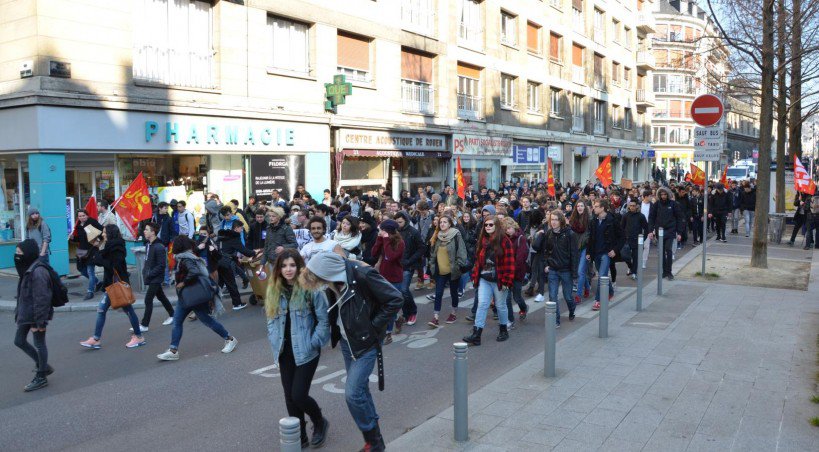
x=297, y=327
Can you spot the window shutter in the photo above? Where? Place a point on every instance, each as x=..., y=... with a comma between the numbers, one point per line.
x=577, y=4
x=598, y=64
x=554, y=46
x=676, y=108
x=577, y=55
x=687, y=111
x=533, y=37
x=416, y=66
x=353, y=52
x=469, y=71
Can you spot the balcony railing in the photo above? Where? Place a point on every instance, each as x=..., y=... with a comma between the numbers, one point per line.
x=645, y=20
x=355, y=75
x=417, y=19
x=577, y=124
x=470, y=107
x=670, y=114
x=599, y=36
x=645, y=58
x=644, y=96
x=470, y=36
x=417, y=97
x=578, y=75
x=172, y=67
x=599, y=127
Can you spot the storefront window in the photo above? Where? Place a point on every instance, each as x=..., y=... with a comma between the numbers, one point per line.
x=178, y=177
x=10, y=226
x=481, y=173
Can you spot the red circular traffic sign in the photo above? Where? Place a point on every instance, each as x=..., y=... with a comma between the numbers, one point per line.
x=707, y=110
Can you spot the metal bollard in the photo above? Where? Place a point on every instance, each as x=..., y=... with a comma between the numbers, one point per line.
x=290, y=434
x=461, y=391
x=603, y=320
x=661, y=257
x=551, y=340
x=640, y=243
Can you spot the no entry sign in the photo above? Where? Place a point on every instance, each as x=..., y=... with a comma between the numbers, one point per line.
x=707, y=110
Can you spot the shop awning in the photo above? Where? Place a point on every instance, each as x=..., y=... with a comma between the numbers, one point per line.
x=398, y=154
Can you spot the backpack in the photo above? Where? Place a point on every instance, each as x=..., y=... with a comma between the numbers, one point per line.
x=814, y=205
x=59, y=293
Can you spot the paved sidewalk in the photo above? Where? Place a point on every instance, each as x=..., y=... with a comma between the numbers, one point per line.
x=705, y=367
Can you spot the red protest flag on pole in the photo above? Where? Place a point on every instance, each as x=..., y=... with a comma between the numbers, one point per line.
x=724, y=179
x=604, y=172
x=550, y=179
x=459, y=180
x=801, y=179
x=697, y=175
x=135, y=204
x=91, y=208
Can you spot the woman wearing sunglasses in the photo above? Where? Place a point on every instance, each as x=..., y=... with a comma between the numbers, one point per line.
x=492, y=275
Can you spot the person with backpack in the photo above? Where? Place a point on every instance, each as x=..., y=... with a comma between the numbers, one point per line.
x=562, y=261
x=231, y=245
x=605, y=239
x=297, y=328
x=34, y=309
x=184, y=220
x=38, y=230
x=521, y=249
x=153, y=273
x=191, y=270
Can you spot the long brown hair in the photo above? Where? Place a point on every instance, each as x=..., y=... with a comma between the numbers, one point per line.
x=299, y=297
x=496, y=239
x=581, y=221
x=434, y=237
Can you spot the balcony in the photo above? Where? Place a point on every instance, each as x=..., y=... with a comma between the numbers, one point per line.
x=599, y=127
x=417, y=19
x=471, y=37
x=470, y=107
x=645, y=60
x=417, y=97
x=645, y=22
x=355, y=75
x=667, y=114
x=578, y=75
x=644, y=98
x=599, y=36
x=577, y=124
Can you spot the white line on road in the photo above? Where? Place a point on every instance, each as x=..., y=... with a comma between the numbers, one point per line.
x=329, y=376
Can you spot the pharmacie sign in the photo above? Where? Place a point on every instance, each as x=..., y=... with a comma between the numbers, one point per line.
x=174, y=132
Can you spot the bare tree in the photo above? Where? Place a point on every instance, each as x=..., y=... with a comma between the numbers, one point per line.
x=781, y=105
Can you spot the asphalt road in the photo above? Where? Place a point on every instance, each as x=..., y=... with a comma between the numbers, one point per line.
x=118, y=399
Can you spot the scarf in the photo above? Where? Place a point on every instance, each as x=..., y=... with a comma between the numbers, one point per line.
x=446, y=236
x=347, y=241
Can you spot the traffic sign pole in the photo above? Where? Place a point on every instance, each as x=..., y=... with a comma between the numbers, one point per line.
x=705, y=215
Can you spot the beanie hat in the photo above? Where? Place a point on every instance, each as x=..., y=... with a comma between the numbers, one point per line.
x=328, y=266
x=32, y=210
x=489, y=208
x=389, y=226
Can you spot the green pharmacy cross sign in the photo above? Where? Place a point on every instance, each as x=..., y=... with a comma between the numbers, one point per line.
x=336, y=92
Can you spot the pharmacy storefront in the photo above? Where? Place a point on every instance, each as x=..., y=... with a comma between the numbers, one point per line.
x=481, y=157
x=57, y=158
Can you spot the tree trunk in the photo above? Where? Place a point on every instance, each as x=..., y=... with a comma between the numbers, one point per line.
x=781, y=107
x=759, y=251
x=795, y=123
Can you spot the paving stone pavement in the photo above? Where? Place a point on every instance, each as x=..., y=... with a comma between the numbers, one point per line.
x=734, y=371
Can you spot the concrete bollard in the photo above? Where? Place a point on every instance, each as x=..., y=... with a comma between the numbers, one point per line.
x=290, y=434
x=551, y=340
x=640, y=243
x=461, y=391
x=603, y=320
x=661, y=257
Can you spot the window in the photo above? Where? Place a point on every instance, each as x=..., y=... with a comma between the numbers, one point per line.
x=578, y=71
x=507, y=91
x=627, y=121
x=599, y=27
x=417, y=94
x=627, y=78
x=509, y=29
x=578, y=20
x=173, y=43
x=660, y=83
x=599, y=81
x=554, y=102
x=533, y=37
x=615, y=72
x=615, y=29
x=615, y=116
x=533, y=97
x=556, y=4
x=658, y=134
x=469, y=99
x=555, y=42
x=418, y=15
x=470, y=25
x=354, y=57
x=577, y=113
x=627, y=37
x=599, y=117
x=290, y=45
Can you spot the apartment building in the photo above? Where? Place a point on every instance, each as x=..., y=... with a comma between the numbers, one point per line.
x=690, y=60
x=742, y=126
x=229, y=97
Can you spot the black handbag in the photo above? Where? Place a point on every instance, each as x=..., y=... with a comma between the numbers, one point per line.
x=197, y=294
x=625, y=252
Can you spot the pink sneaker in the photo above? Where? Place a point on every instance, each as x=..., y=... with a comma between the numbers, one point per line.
x=433, y=323
x=135, y=342
x=91, y=343
x=451, y=319
x=411, y=320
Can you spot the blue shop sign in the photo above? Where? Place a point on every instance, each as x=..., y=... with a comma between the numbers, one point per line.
x=651, y=153
x=529, y=154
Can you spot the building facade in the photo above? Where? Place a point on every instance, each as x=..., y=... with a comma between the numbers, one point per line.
x=690, y=61
x=742, y=127
x=228, y=97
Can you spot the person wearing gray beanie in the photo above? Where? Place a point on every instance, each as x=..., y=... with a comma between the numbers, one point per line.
x=38, y=230
x=354, y=289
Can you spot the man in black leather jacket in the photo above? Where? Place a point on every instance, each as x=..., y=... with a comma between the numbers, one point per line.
x=362, y=303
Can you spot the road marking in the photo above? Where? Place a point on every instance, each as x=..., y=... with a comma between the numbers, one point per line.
x=706, y=110
x=329, y=376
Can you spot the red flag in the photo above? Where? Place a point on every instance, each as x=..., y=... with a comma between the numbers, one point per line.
x=135, y=204
x=724, y=179
x=550, y=179
x=697, y=175
x=91, y=208
x=801, y=180
x=459, y=180
x=604, y=172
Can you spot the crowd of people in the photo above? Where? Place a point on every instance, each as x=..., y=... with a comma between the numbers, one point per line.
x=329, y=260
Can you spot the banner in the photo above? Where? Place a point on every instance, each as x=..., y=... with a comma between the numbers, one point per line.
x=801, y=180
x=550, y=179
x=697, y=175
x=459, y=180
x=134, y=205
x=604, y=172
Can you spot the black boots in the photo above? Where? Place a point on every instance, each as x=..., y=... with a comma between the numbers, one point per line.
x=475, y=337
x=38, y=382
x=504, y=334
x=320, y=434
x=374, y=441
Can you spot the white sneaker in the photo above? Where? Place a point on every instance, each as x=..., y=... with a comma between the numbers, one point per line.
x=539, y=298
x=168, y=321
x=143, y=329
x=633, y=276
x=230, y=345
x=644, y=266
x=168, y=356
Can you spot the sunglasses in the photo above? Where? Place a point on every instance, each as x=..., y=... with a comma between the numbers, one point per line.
x=489, y=225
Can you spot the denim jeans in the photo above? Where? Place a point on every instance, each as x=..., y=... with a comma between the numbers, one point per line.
x=486, y=292
x=735, y=219
x=357, y=389
x=203, y=314
x=517, y=293
x=409, y=308
x=464, y=281
x=748, y=215
x=556, y=279
x=88, y=272
x=102, y=310
x=583, y=282
x=602, y=262
x=440, y=284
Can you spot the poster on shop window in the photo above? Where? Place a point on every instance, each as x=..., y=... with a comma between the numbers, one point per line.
x=281, y=172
